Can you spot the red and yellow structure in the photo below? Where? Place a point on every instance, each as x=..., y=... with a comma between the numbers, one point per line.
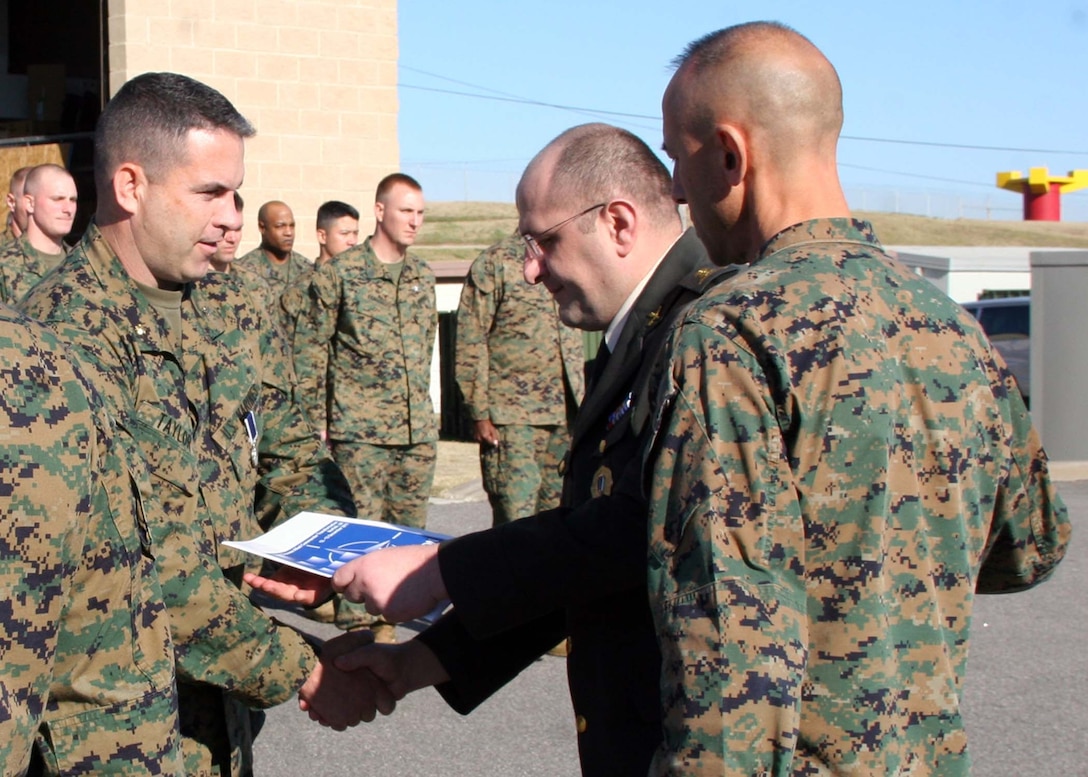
x=1042, y=191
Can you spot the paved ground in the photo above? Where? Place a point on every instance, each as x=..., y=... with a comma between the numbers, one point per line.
x=1026, y=700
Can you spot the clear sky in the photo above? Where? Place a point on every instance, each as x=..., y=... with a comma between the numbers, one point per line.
x=943, y=76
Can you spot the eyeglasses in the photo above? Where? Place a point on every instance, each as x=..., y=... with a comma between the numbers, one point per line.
x=532, y=242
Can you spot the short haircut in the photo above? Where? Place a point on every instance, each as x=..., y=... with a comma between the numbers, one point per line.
x=37, y=173
x=599, y=162
x=391, y=180
x=149, y=118
x=18, y=178
x=332, y=210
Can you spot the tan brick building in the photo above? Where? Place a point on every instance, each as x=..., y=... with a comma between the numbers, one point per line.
x=318, y=78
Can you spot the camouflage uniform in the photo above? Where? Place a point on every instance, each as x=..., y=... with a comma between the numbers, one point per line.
x=519, y=367
x=82, y=600
x=184, y=397
x=276, y=277
x=378, y=336
x=21, y=266
x=840, y=463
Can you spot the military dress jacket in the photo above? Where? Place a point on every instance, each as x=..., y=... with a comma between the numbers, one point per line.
x=578, y=571
x=86, y=661
x=21, y=266
x=377, y=335
x=517, y=363
x=185, y=409
x=840, y=463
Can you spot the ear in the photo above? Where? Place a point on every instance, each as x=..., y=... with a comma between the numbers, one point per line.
x=322, y=237
x=9, y=198
x=622, y=225
x=28, y=204
x=129, y=186
x=733, y=147
x=379, y=211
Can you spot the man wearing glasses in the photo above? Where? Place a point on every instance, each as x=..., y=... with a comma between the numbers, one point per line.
x=603, y=235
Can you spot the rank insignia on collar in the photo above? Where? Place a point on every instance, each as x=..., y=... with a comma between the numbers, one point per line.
x=702, y=273
x=653, y=318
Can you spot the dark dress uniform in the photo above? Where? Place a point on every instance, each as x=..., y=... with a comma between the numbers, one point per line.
x=578, y=571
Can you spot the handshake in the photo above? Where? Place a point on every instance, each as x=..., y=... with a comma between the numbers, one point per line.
x=355, y=678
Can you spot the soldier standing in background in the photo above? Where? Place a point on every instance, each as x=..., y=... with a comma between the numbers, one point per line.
x=274, y=261
x=15, y=223
x=372, y=321
x=337, y=231
x=50, y=200
x=521, y=372
x=86, y=661
x=185, y=363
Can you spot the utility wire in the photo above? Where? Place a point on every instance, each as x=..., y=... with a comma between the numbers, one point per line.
x=506, y=97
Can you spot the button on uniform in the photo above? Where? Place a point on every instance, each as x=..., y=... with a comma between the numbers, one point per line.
x=580, y=724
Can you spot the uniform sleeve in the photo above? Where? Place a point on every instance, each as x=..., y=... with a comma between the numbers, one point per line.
x=45, y=471
x=1030, y=529
x=296, y=470
x=220, y=638
x=478, y=667
x=314, y=331
x=475, y=317
x=725, y=565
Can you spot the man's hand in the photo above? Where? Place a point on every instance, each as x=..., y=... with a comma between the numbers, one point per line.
x=485, y=433
x=397, y=583
x=293, y=585
x=403, y=667
x=340, y=699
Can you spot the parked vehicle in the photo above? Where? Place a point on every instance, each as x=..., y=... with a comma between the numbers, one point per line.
x=1007, y=322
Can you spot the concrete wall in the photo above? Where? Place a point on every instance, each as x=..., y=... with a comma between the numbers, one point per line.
x=318, y=78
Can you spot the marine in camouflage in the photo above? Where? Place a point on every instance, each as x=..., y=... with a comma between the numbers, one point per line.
x=378, y=333
x=840, y=463
x=86, y=662
x=21, y=266
x=519, y=367
x=182, y=390
x=274, y=278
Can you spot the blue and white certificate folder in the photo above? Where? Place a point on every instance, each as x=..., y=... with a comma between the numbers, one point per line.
x=321, y=544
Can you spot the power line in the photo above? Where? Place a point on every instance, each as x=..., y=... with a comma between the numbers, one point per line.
x=915, y=175
x=506, y=97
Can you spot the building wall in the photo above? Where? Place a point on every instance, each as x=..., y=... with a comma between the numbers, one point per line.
x=318, y=79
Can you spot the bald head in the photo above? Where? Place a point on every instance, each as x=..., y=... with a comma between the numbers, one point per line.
x=276, y=223
x=752, y=120
x=597, y=163
x=50, y=197
x=769, y=78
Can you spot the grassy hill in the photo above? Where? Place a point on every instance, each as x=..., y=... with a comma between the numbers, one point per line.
x=460, y=230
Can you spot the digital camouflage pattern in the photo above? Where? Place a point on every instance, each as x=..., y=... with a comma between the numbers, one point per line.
x=841, y=461
x=21, y=266
x=521, y=368
x=86, y=662
x=516, y=361
x=378, y=334
x=521, y=474
x=186, y=414
x=276, y=277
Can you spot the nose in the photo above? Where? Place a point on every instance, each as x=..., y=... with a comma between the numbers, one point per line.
x=532, y=268
x=226, y=214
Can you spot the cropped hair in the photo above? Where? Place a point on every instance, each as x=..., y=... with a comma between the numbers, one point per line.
x=332, y=210
x=391, y=180
x=147, y=122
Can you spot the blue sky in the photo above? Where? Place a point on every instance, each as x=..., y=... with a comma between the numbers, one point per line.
x=999, y=74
